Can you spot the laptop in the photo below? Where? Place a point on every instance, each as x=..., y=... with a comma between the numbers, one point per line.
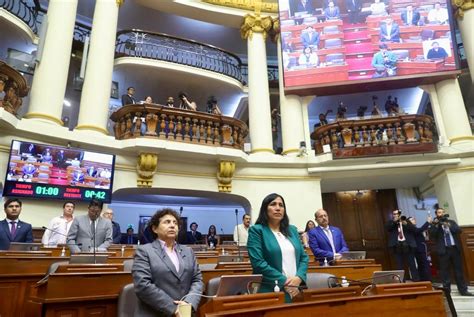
x=20, y=246
x=88, y=258
x=354, y=255
x=239, y=284
x=388, y=277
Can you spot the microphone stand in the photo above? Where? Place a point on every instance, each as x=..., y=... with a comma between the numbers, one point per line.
x=238, y=233
x=93, y=236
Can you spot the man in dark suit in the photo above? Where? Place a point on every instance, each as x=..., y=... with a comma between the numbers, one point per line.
x=90, y=230
x=302, y=6
x=128, y=98
x=410, y=17
x=332, y=12
x=12, y=229
x=421, y=253
x=116, y=232
x=353, y=9
x=436, y=52
x=445, y=233
x=326, y=242
x=130, y=238
x=193, y=236
x=390, y=31
x=401, y=241
x=309, y=37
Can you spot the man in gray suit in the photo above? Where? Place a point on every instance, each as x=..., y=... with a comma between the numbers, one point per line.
x=81, y=234
x=165, y=274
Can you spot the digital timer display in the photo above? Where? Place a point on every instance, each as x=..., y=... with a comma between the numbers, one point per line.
x=55, y=192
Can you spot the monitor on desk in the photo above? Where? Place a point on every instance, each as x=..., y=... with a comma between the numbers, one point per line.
x=388, y=277
x=353, y=255
x=20, y=246
x=239, y=284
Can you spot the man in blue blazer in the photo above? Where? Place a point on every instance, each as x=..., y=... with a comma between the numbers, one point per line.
x=309, y=37
x=326, y=242
x=12, y=229
x=390, y=31
x=410, y=17
x=332, y=12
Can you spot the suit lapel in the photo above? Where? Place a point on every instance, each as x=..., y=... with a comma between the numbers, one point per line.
x=7, y=229
x=165, y=258
x=321, y=232
x=181, y=259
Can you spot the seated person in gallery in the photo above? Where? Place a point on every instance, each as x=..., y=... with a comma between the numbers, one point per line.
x=384, y=62
x=322, y=119
x=308, y=58
x=436, y=52
x=309, y=37
x=128, y=99
x=378, y=8
x=170, y=102
x=212, y=106
x=287, y=44
x=148, y=99
x=332, y=12
x=438, y=15
x=185, y=103
x=410, y=16
x=47, y=157
x=389, y=31
x=302, y=6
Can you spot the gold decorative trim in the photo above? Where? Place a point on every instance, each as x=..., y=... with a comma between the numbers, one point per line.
x=276, y=30
x=262, y=150
x=249, y=5
x=119, y=2
x=37, y=115
x=255, y=23
x=146, y=168
x=91, y=127
x=5, y=148
x=224, y=176
x=461, y=6
x=290, y=151
x=461, y=138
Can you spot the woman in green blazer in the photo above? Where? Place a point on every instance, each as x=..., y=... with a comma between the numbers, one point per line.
x=275, y=249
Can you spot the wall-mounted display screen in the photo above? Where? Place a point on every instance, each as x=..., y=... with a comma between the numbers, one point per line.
x=47, y=171
x=334, y=42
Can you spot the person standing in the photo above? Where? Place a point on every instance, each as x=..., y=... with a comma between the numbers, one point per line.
x=116, y=231
x=353, y=9
x=401, y=240
x=90, y=230
x=326, y=242
x=241, y=232
x=58, y=227
x=421, y=253
x=275, y=249
x=11, y=228
x=128, y=99
x=193, y=236
x=445, y=233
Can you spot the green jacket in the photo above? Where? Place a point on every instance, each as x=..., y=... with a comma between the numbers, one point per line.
x=266, y=258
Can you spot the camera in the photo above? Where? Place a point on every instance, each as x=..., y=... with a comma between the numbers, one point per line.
x=443, y=218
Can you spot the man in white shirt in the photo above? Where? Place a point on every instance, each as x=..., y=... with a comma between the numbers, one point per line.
x=438, y=15
x=241, y=232
x=58, y=228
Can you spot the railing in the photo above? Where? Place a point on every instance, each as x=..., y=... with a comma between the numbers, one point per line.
x=272, y=72
x=152, y=120
x=403, y=134
x=23, y=11
x=138, y=43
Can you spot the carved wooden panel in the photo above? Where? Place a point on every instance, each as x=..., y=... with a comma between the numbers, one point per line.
x=467, y=241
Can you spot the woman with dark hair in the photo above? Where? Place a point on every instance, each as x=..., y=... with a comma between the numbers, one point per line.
x=212, y=239
x=165, y=274
x=304, y=236
x=275, y=250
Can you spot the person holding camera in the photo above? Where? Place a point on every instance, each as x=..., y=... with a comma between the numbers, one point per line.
x=185, y=103
x=445, y=233
x=401, y=241
x=421, y=253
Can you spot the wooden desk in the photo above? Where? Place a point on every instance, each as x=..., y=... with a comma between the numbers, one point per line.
x=79, y=294
x=420, y=304
x=311, y=295
x=407, y=31
x=225, y=303
x=417, y=67
x=297, y=29
x=316, y=75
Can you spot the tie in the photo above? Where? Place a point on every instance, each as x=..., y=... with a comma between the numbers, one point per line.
x=130, y=240
x=13, y=229
x=400, y=232
x=409, y=18
x=447, y=238
x=331, y=241
x=93, y=227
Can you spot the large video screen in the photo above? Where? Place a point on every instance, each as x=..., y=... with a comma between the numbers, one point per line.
x=338, y=42
x=47, y=171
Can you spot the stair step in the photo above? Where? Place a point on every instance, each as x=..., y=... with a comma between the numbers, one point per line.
x=463, y=303
x=465, y=313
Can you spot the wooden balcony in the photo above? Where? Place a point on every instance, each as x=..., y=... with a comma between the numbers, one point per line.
x=402, y=134
x=165, y=123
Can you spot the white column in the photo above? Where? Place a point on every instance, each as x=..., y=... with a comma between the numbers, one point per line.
x=466, y=26
x=260, y=125
x=50, y=79
x=94, y=110
x=451, y=105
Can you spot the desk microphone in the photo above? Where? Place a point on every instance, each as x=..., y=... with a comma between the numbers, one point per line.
x=93, y=236
x=238, y=235
x=222, y=231
x=55, y=231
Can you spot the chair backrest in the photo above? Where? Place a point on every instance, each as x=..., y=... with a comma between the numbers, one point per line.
x=401, y=54
x=427, y=34
x=127, y=301
x=332, y=43
x=336, y=58
x=212, y=286
x=331, y=29
x=127, y=265
x=320, y=280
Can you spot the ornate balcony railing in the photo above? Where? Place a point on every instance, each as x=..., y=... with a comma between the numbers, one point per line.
x=23, y=11
x=403, y=134
x=165, y=123
x=272, y=72
x=163, y=47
